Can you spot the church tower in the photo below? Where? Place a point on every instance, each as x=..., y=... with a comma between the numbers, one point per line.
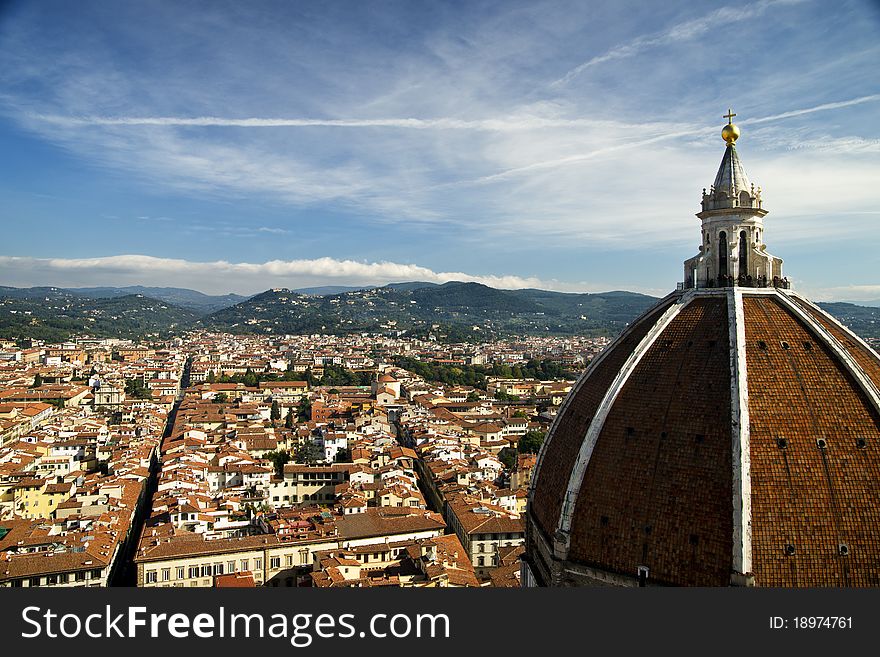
x=732, y=251
x=730, y=436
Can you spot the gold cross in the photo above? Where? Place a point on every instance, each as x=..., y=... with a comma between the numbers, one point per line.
x=729, y=116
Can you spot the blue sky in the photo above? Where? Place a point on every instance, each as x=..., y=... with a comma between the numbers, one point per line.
x=239, y=146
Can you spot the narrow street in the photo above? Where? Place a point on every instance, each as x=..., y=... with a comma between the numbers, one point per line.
x=126, y=573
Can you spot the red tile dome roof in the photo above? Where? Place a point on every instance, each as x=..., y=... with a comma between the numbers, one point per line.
x=728, y=436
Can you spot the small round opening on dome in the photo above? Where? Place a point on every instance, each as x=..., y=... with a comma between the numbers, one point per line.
x=789, y=550
x=861, y=443
x=785, y=345
x=843, y=549
x=821, y=443
x=762, y=345
x=808, y=346
x=782, y=443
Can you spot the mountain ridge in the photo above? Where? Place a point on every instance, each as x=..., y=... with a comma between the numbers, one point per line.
x=457, y=310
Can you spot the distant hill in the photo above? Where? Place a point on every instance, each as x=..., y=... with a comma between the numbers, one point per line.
x=324, y=290
x=58, y=314
x=863, y=320
x=415, y=285
x=453, y=311
x=33, y=292
x=467, y=309
x=191, y=299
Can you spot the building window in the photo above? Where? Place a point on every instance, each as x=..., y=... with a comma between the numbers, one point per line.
x=289, y=560
x=722, y=253
x=303, y=556
x=64, y=578
x=230, y=566
x=181, y=572
x=218, y=568
x=80, y=576
x=193, y=572
x=96, y=574
x=275, y=562
x=166, y=574
x=258, y=564
x=151, y=577
x=206, y=570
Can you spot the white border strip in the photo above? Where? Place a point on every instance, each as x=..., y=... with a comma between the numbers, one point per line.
x=598, y=421
x=740, y=435
x=838, y=349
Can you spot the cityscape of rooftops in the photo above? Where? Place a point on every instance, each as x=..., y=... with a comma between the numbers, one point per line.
x=346, y=295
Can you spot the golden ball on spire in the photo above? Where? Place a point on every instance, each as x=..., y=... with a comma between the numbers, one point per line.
x=730, y=133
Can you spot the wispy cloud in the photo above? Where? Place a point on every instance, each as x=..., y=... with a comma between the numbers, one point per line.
x=501, y=124
x=684, y=31
x=665, y=134
x=812, y=110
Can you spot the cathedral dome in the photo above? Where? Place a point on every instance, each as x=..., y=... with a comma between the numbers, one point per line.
x=730, y=436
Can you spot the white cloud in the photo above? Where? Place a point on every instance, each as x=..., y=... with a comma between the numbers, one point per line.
x=220, y=277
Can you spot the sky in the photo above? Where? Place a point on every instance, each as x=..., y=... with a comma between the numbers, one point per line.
x=233, y=147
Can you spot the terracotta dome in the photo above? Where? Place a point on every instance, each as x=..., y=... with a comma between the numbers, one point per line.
x=730, y=436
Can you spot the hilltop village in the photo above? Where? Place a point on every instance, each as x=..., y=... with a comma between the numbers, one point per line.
x=238, y=461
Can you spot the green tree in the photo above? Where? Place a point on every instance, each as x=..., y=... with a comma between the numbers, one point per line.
x=308, y=452
x=288, y=419
x=279, y=459
x=508, y=457
x=220, y=398
x=304, y=409
x=473, y=396
x=531, y=442
x=250, y=379
x=38, y=381
x=135, y=388
x=343, y=455
x=275, y=413
x=212, y=378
